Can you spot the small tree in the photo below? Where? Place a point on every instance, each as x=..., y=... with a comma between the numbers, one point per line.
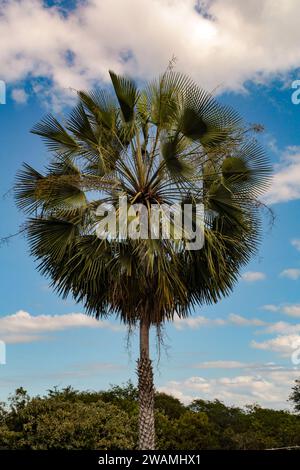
x=295, y=395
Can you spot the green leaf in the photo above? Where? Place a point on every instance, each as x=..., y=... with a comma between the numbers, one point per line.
x=57, y=193
x=248, y=170
x=172, y=150
x=165, y=96
x=102, y=107
x=80, y=126
x=50, y=237
x=192, y=125
x=25, y=186
x=126, y=93
x=55, y=136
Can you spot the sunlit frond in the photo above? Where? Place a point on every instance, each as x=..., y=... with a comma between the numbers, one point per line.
x=55, y=136
x=127, y=95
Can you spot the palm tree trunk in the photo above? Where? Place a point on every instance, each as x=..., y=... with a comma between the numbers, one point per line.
x=146, y=391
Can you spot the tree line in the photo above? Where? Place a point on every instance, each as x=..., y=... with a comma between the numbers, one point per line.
x=108, y=420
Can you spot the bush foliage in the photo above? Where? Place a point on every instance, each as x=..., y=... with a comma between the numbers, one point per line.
x=107, y=420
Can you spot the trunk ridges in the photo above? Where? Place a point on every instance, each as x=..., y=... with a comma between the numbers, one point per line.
x=146, y=404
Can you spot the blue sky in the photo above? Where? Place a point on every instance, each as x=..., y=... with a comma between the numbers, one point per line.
x=242, y=350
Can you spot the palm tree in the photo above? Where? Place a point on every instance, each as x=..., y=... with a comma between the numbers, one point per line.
x=169, y=142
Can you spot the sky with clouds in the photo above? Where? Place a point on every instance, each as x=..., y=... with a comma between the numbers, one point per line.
x=244, y=349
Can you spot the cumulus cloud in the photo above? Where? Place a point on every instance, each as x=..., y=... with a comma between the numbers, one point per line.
x=292, y=310
x=197, y=322
x=242, y=321
x=286, y=179
x=232, y=319
x=76, y=48
x=285, y=345
x=270, y=390
x=291, y=273
x=21, y=327
x=253, y=276
x=19, y=95
x=282, y=327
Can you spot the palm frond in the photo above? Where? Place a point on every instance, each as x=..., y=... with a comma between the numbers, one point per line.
x=165, y=97
x=127, y=95
x=50, y=239
x=80, y=126
x=101, y=106
x=25, y=186
x=57, y=139
x=172, y=149
x=248, y=169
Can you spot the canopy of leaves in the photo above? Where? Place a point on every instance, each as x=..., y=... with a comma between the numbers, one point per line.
x=107, y=420
x=295, y=395
x=169, y=142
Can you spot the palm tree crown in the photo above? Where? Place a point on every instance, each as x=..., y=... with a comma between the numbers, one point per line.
x=167, y=143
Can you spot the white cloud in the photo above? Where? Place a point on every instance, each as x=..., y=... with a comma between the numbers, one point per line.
x=22, y=327
x=270, y=390
x=232, y=319
x=242, y=321
x=292, y=310
x=296, y=243
x=77, y=48
x=291, y=273
x=19, y=95
x=253, y=276
x=197, y=322
x=285, y=345
x=282, y=327
x=286, y=180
